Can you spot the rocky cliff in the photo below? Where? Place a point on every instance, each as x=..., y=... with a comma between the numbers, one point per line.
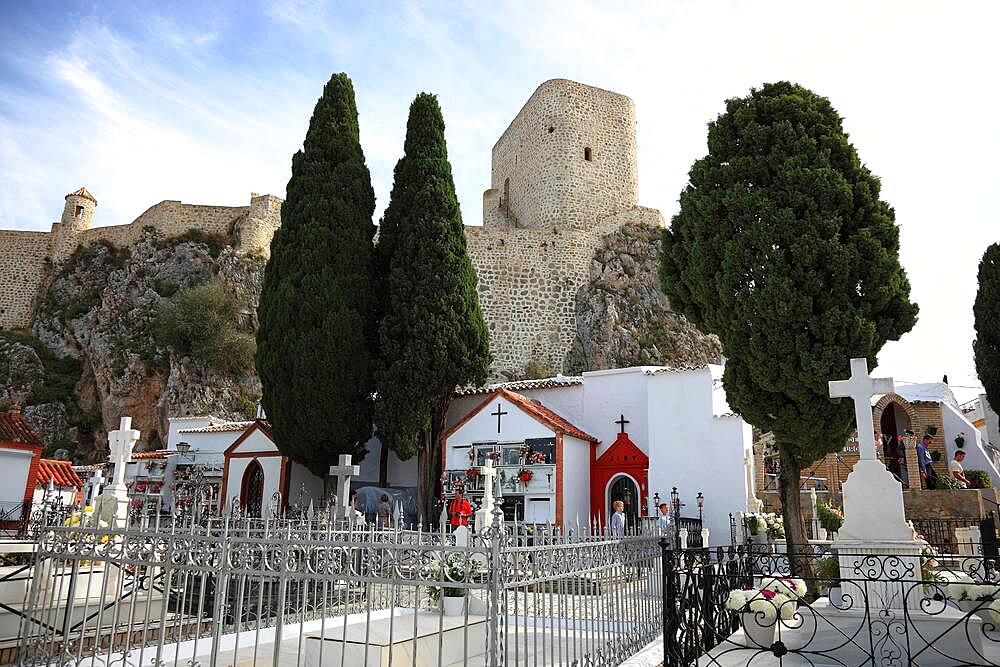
x=624, y=319
x=97, y=353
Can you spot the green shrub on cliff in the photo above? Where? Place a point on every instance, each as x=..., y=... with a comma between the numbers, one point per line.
x=201, y=322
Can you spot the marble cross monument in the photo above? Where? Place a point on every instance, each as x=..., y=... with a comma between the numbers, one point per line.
x=121, y=442
x=344, y=471
x=484, y=515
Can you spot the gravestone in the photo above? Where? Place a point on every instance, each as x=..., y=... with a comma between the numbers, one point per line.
x=344, y=471
x=114, y=500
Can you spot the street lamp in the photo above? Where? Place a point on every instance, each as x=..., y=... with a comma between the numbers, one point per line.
x=701, y=503
x=183, y=447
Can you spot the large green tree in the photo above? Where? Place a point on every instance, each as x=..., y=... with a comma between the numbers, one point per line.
x=316, y=305
x=783, y=248
x=987, y=314
x=433, y=337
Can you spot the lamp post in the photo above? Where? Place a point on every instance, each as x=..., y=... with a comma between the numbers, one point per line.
x=701, y=504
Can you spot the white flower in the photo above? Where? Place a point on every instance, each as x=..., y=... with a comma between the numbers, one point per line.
x=792, y=588
x=737, y=599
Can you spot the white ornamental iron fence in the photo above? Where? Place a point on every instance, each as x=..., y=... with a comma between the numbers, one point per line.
x=310, y=591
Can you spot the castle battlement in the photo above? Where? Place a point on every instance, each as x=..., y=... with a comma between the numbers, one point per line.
x=563, y=176
x=26, y=258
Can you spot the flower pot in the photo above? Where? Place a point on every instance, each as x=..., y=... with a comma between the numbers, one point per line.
x=821, y=534
x=452, y=606
x=836, y=596
x=758, y=538
x=757, y=631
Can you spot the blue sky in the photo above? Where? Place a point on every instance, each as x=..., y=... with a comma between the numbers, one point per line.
x=206, y=102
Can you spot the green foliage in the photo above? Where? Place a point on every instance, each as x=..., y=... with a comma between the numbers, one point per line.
x=61, y=373
x=201, y=322
x=829, y=518
x=316, y=306
x=215, y=243
x=783, y=249
x=433, y=336
x=986, y=310
x=931, y=430
x=828, y=571
x=947, y=483
x=165, y=288
x=979, y=479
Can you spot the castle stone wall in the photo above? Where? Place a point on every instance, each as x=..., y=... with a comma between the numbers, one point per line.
x=568, y=159
x=528, y=280
x=26, y=256
x=23, y=266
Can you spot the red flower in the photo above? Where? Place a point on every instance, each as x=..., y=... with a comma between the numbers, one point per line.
x=768, y=594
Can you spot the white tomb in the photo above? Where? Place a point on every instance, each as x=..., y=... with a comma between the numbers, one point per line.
x=423, y=639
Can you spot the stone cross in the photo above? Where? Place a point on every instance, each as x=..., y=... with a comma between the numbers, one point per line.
x=94, y=485
x=121, y=443
x=344, y=471
x=484, y=515
x=861, y=387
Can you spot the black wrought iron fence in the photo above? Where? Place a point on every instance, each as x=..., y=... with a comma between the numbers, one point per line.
x=740, y=605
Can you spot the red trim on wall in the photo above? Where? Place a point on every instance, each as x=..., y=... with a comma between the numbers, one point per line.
x=559, y=479
x=623, y=456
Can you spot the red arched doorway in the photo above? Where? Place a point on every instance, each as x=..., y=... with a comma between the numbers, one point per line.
x=252, y=489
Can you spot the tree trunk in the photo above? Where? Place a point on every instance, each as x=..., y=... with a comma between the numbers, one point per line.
x=383, y=465
x=789, y=481
x=429, y=463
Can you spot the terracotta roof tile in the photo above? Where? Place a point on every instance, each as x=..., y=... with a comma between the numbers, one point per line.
x=545, y=415
x=155, y=454
x=523, y=385
x=224, y=427
x=13, y=428
x=60, y=472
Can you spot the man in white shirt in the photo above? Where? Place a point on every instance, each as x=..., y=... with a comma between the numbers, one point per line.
x=956, y=469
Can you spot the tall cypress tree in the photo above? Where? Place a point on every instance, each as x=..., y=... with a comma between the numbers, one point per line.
x=315, y=312
x=784, y=249
x=433, y=336
x=987, y=320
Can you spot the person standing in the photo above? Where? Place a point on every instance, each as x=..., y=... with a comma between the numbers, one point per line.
x=384, y=517
x=618, y=519
x=957, y=471
x=459, y=509
x=924, y=463
x=664, y=522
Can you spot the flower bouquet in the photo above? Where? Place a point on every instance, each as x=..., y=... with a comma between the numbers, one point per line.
x=494, y=455
x=536, y=457
x=450, y=568
x=760, y=608
x=525, y=475
x=472, y=472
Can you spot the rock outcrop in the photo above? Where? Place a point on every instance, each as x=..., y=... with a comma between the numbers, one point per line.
x=100, y=308
x=624, y=319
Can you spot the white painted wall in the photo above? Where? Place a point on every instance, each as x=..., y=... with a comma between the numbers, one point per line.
x=695, y=451
x=576, y=482
x=954, y=423
x=178, y=423
x=400, y=474
x=609, y=394
x=258, y=443
x=515, y=425
x=14, y=467
x=298, y=476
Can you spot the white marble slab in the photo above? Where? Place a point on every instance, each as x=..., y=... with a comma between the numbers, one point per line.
x=396, y=640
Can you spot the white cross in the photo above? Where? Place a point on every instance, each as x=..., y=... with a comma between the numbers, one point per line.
x=344, y=471
x=861, y=387
x=94, y=483
x=121, y=443
x=488, y=472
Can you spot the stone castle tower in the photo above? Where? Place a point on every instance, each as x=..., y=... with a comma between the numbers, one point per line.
x=564, y=176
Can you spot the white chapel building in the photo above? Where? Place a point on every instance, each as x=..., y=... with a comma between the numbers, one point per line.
x=566, y=447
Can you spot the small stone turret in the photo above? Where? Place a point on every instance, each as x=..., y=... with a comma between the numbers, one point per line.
x=78, y=215
x=256, y=228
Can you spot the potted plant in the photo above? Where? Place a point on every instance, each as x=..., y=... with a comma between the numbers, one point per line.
x=761, y=608
x=451, y=568
x=755, y=528
x=979, y=479
x=830, y=518
x=828, y=574
x=947, y=483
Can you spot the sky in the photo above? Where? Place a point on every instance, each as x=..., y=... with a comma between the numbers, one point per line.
x=207, y=102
